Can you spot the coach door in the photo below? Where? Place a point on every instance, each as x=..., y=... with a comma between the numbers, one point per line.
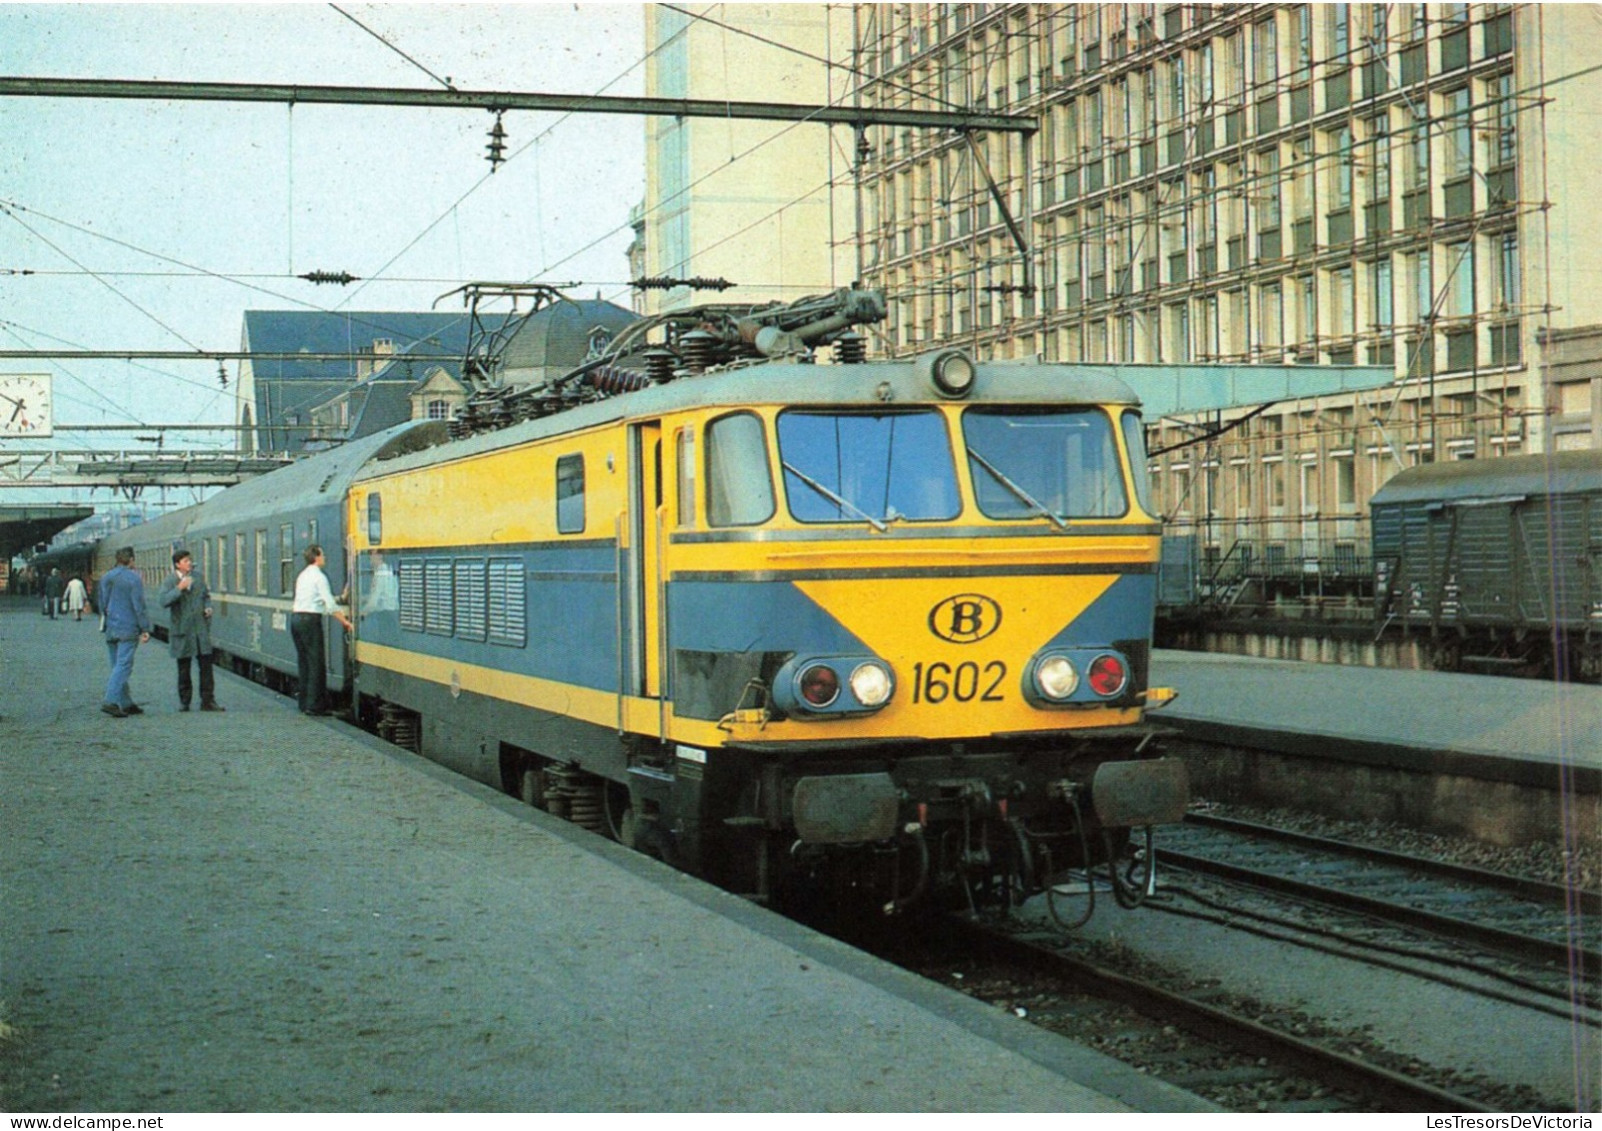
x=640, y=581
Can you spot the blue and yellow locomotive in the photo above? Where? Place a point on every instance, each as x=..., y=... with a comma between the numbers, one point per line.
x=880, y=625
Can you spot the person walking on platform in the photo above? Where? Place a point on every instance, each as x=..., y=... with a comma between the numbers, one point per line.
x=121, y=597
x=52, y=593
x=189, y=631
x=314, y=599
x=77, y=596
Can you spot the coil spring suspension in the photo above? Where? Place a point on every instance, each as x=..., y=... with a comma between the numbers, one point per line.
x=576, y=796
x=398, y=725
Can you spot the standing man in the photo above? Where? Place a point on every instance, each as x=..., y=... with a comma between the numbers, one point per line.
x=122, y=602
x=53, y=587
x=189, y=634
x=313, y=600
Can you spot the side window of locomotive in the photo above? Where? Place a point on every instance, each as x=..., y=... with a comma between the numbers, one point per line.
x=1026, y=462
x=1139, y=465
x=686, y=476
x=860, y=466
x=375, y=519
x=739, y=484
x=570, y=494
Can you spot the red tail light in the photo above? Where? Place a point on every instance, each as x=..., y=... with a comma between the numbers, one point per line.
x=819, y=685
x=1108, y=675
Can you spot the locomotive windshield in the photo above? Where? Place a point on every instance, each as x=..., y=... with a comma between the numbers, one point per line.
x=867, y=467
x=1052, y=462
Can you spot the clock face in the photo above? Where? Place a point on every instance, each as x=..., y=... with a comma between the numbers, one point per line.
x=25, y=404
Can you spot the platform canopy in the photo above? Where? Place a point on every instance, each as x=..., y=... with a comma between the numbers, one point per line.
x=1170, y=390
x=22, y=527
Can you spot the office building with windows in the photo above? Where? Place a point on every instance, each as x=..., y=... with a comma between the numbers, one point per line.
x=1404, y=185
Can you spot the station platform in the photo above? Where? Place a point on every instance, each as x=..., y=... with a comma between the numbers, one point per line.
x=1516, y=727
x=260, y=911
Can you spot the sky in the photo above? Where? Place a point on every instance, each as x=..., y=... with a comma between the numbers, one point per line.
x=155, y=225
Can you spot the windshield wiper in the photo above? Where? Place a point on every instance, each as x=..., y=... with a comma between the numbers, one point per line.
x=838, y=500
x=1023, y=496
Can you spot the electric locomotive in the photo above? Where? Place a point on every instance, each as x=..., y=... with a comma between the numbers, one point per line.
x=879, y=626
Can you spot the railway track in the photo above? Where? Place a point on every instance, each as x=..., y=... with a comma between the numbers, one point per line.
x=1529, y=937
x=1240, y=1055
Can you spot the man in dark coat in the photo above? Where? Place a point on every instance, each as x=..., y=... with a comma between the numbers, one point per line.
x=54, y=587
x=189, y=633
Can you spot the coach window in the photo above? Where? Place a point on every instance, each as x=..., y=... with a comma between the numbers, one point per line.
x=239, y=563
x=686, y=450
x=739, y=485
x=286, y=560
x=570, y=494
x=222, y=562
x=375, y=519
x=261, y=562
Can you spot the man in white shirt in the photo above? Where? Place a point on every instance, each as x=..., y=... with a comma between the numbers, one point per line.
x=313, y=601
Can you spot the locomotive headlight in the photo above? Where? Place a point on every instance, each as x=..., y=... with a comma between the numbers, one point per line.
x=1107, y=675
x=819, y=685
x=953, y=374
x=1056, y=677
x=871, y=684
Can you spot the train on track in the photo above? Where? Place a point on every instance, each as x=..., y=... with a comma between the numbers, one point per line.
x=878, y=629
x=1495, y=564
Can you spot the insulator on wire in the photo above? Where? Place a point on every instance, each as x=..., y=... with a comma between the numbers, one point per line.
x=497, y=143
x=343, y=278
x=850, y=349
x=668, y=282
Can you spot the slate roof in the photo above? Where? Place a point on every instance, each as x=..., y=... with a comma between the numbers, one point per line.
x=557, y=338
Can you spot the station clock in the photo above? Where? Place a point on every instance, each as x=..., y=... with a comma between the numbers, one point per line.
x=25, y=408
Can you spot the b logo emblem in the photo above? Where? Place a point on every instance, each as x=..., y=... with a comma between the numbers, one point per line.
x=965, y=619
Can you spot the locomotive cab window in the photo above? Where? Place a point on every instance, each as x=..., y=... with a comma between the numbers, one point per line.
x=375, y=519
x=874, y=467
x=1139, y=465
x=570, y=494
x=1052, y=462
x=739, y=486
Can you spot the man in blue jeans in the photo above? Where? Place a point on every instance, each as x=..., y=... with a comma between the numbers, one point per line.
x=122, y=601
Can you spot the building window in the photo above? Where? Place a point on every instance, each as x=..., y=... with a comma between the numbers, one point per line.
x=1265, y=53
x=1345, y=481
x=439, y=410
x=1506, y=297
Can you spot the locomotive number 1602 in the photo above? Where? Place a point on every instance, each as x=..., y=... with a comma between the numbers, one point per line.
x=966, y=682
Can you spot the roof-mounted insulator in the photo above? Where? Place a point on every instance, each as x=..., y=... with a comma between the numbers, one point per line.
x=497, y=143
